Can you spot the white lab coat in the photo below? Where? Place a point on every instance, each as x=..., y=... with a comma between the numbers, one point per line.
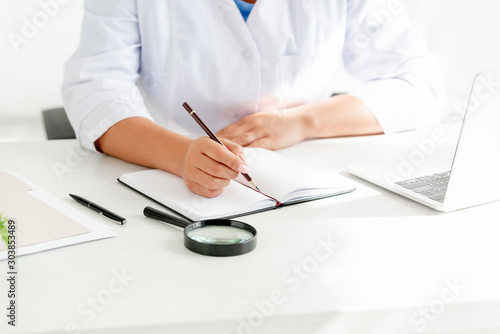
x=146, y=57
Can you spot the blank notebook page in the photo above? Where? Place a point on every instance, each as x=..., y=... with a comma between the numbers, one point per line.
x=286, y=180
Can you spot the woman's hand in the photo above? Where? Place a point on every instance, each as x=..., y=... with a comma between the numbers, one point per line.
x=208, y=167
x=267, y=129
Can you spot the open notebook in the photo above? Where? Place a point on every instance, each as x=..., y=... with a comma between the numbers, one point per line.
x=281, y=180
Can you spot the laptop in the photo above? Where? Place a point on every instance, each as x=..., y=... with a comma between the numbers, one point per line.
x=449, y=176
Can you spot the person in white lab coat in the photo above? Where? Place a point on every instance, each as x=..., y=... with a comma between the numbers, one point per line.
x=262, y=82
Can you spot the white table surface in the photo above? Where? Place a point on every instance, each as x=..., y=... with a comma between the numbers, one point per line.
x=393, y=258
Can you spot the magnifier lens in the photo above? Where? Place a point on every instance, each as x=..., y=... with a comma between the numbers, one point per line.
x=220, y=235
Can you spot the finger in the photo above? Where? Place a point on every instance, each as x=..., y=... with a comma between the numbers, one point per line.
x=234, y=130
x=217, y=169
x=202, y=191
x=246, y=139
x=208, y=181
x=265, y=142
x=235, y=149
x=224, y=158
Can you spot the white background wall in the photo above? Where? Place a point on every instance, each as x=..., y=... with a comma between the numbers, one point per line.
x=463, y=35
x=31, y=76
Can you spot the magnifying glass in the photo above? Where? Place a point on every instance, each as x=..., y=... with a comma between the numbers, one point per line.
x=215, y=237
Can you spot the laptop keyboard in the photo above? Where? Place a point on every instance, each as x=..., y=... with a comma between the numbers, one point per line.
x=432, y=186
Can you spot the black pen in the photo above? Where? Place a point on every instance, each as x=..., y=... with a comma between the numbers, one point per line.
x=102, y=211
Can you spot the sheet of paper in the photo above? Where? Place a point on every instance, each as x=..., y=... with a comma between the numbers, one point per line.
x=42, y=221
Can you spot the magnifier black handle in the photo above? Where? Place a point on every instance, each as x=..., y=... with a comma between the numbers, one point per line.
x=165, y=217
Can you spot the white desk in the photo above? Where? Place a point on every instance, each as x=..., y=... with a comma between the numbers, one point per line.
x=393, y=257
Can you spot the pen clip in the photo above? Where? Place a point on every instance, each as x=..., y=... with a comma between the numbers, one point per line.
x=122, y=222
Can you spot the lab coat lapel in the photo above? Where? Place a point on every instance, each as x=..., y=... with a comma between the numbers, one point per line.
x=248, y=52
x=236, y=23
